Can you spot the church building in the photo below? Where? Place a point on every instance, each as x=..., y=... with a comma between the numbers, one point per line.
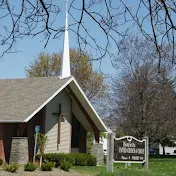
x=56, y=104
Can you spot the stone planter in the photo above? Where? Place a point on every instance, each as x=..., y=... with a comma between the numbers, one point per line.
x=19, y=150
x=97, y=151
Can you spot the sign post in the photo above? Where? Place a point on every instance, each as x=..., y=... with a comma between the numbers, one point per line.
x=146, y=153
x=37, y=129
x=110, y=152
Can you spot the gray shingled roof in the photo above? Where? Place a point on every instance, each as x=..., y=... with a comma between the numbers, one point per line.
x=19, y=98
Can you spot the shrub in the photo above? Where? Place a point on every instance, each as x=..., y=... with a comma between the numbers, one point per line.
x=47, y=166
x=78, y=159
x=105, y=158
x=84, y=159
x=57, y=158
x=81, y=159
x=11, y=167
x=30, y=167
x=65, y=165
x=91, y=161
x=1, y=161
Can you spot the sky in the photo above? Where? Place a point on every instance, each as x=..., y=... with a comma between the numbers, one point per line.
x=13, y=65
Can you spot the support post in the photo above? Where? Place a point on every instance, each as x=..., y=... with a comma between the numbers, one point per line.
x=35, y=146
x=97, y=136
x=146, y=152
x=110, y=152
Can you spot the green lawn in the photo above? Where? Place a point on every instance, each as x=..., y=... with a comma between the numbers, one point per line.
x=157, y=167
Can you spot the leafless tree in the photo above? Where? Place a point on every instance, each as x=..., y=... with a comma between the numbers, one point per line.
x=115, y=20
x=145, y=99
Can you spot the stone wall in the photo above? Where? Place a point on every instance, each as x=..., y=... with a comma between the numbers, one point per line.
x=19, y=150
x=97, y=151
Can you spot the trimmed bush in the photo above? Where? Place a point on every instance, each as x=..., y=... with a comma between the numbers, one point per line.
x=78, y=159
x=105, y=158
x=84, y=159
x=30, y=167
x=11, y=167
x=47, y=166
x=91, y=161
x=1, y=161
x=65, y=165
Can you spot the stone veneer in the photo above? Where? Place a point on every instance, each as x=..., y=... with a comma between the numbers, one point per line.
x=97, y=151
x=19, y=150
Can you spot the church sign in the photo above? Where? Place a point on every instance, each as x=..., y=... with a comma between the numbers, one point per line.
x=129, y=149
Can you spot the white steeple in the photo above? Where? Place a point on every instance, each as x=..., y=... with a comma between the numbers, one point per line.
x=65, y=64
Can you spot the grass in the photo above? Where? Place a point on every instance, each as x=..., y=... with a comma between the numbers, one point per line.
x=157, y=167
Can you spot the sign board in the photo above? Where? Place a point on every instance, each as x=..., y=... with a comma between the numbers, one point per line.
x=37, y=129
x=129, y=149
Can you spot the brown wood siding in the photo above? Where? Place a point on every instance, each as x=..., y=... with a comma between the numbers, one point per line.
x=82, y=140
x=38, y=119
x=8, y=134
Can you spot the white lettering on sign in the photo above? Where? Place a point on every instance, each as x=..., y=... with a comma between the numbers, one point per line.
x=124, y=158
x=128, y=144
x=131, y=150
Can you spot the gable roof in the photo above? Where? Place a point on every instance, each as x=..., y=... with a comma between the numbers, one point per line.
x=21, y=99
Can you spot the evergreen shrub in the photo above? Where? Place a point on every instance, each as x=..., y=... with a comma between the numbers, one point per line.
x=30, y=167
x=65, y=165
x=11, y=167
x=48, y=166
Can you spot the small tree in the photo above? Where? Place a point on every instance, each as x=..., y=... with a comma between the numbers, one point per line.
x=90, y=139
x=41, y=143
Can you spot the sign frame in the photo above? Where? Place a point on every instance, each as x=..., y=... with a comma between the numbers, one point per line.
x=130, y=138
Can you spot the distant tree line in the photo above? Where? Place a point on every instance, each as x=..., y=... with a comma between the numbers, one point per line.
x=145, y=99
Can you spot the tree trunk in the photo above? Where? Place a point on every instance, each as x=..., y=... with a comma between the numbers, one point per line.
x=164, y=150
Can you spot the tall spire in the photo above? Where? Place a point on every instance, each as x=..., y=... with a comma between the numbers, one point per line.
x=65, y=64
